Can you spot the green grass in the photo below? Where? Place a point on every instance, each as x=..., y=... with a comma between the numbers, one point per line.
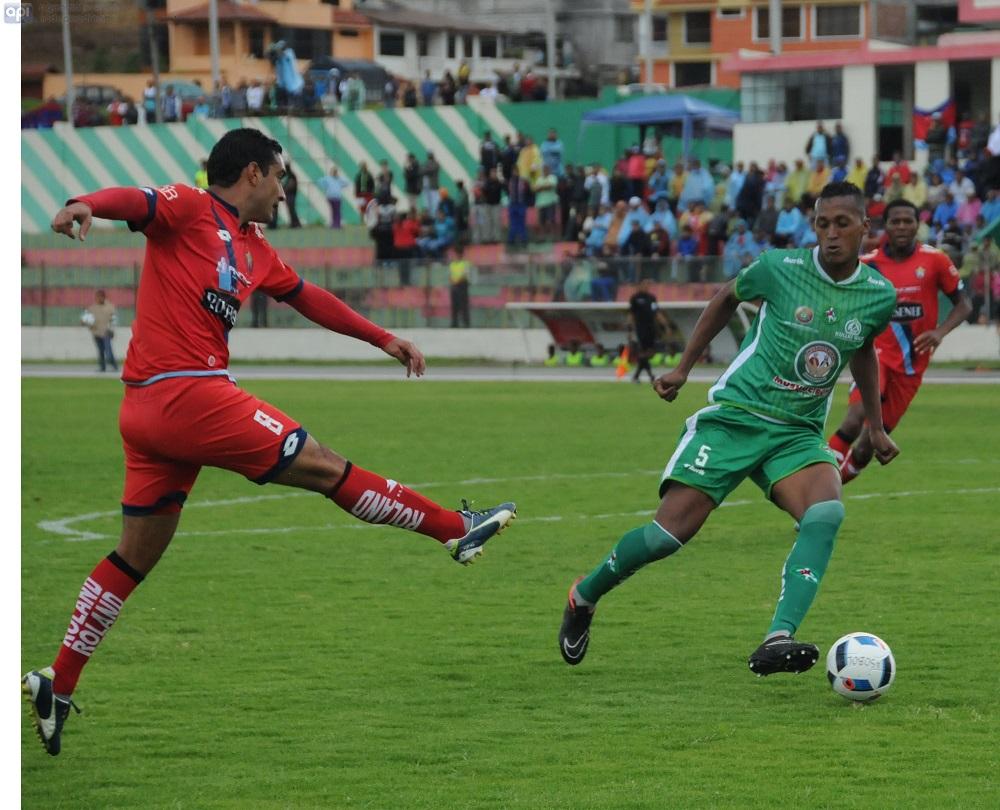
x=285, y=656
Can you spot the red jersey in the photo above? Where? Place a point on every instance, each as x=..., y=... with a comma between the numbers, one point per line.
x=200, y=266
x=918, y=279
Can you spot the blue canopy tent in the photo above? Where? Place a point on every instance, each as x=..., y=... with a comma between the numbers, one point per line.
x=671, y=114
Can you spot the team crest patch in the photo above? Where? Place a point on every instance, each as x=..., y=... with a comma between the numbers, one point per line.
x=921, y=272
x=804, y=315
x=831, y=315
x=807, y=574
x=817, y=363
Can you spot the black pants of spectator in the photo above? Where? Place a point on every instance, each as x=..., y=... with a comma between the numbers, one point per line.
x=460, y=304
x=293, y=216
x=105, y=356
x=644, y=351
x=258, y=310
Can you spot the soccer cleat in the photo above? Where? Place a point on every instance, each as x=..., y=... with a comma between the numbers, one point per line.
x=483, y=525
x=49, y=709
x=574, y=633
x=782, y=654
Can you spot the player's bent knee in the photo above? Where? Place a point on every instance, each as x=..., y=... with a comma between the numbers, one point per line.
x=826, y=513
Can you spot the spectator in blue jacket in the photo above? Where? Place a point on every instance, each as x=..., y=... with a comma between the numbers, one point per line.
x=789, y=224
x=443, y=236
x=552, y=153
x=946, y=211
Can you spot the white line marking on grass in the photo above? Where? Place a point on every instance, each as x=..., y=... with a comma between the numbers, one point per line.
x=64, y=526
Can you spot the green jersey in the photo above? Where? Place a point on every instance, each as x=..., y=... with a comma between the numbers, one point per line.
x=805, y=332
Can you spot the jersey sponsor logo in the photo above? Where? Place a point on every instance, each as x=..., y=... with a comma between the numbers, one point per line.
x=229, y=276
x=793, y=260
x=807, y=574
x=817, y=363
x=375, y=508
x=851, y=331
x=876, y=281
x=224, y=235
x=169, y=192
x=904, y=313
x=811, y=390
x=804, y=315
x=223, y=306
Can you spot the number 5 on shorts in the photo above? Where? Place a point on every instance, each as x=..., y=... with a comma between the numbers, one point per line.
x=701, y=460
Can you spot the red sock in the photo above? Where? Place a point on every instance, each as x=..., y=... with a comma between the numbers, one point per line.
x=850, y=469
x=374, y=499
x=840, y=446
x=100, y=601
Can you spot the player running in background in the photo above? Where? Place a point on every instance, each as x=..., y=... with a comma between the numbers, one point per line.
x=205, y=256
x=918, y=272
x=821, y=311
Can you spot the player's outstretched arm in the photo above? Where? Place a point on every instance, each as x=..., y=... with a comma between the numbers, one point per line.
x=928, y=341
x=864, y=367
x=713, y=320
x=126, y=204
x=326, y=310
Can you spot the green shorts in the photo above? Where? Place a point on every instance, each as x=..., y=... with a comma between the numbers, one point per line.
x=722, y=445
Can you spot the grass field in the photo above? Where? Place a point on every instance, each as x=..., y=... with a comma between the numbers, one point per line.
x=284, y=656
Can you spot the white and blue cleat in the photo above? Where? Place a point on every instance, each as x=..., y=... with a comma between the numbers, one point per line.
x=481, y=526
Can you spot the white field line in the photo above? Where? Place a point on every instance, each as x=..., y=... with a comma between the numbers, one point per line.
x=64, y=527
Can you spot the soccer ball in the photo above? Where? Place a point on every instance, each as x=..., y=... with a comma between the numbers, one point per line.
x=860, y=667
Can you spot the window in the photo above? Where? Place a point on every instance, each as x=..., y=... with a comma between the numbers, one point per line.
x=730, y=13
x=451, y=46
x=423, y=43
x=842, y=22
x=348, y=32
x=805, y=95
x=660, y=28
x=257, y=42
x=689, y=74
x=391, y=43
x=467, y=46
x=308, y=43
x=791, y=23
x=488, y=47
x=624, y=28
x=698, y=28
x=331, y=2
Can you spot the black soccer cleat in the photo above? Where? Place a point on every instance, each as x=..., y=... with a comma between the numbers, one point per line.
x=574, y=633
x=48, y=709
x=782, y=654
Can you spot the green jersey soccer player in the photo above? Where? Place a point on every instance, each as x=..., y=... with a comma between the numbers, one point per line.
x=820, y=312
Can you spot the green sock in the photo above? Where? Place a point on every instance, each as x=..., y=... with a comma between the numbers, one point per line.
x=637, y=548
x=806, y=564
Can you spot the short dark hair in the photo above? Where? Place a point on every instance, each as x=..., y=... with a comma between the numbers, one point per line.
x=236, y=150
x=844, y=189
x=900, y=202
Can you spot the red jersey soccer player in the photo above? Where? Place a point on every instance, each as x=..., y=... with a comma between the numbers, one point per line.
x=918, y=272
x=205, y=255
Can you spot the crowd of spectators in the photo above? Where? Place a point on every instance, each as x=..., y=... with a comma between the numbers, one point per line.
x=322, y=93
x=642, y=206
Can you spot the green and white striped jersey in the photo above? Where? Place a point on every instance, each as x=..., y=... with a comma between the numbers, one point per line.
x=805, y=332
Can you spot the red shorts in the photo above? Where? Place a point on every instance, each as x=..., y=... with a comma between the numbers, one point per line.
x=897, y=390
x=172, y=428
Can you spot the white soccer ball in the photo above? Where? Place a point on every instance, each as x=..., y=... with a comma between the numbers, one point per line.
x=860, y=667
x=87, y=318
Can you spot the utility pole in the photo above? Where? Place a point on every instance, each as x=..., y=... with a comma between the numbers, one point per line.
x=68, y=59
x=647, y=43
x=213, y=40
x=774, y=20
x=550, y=48
x=154, y=59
